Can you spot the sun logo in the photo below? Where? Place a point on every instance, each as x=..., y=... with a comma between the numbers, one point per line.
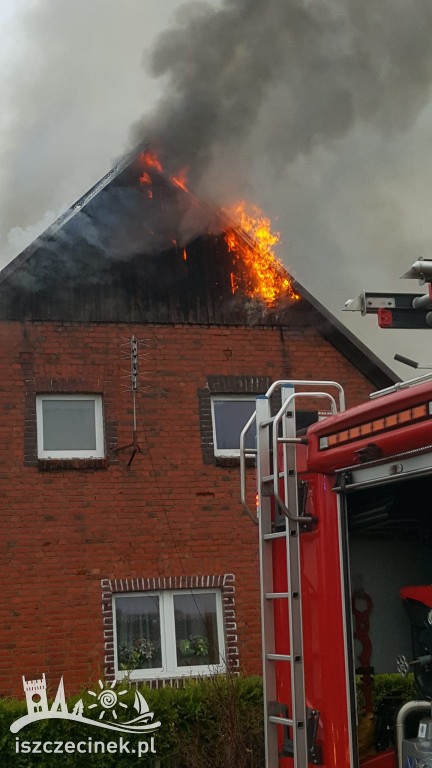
x=107, y=699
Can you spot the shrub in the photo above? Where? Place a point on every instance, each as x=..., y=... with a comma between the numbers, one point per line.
x=384, y=685
x=215, y=721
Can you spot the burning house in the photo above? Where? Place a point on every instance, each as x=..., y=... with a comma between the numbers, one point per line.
x=135, y=334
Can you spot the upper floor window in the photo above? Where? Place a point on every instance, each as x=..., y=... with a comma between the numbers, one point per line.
x=230, y=413
x=170, y=633
x=69, y=426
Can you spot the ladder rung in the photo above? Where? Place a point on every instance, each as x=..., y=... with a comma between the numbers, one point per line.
x=276, y=595
x=267, y=479
x=292, y=440
x=280, y=720
x=278, y=656
x=270, y=478
x=267, y=422
x=278, y=535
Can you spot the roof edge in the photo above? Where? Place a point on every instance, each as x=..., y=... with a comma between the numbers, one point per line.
x=72, y=211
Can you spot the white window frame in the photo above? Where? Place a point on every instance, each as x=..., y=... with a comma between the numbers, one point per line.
x=169, y=668
x=96, y=453
x=229, y=398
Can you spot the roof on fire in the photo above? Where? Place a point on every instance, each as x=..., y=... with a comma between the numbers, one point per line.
x=122, y=254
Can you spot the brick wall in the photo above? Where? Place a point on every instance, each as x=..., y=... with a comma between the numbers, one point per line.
x=68, y=527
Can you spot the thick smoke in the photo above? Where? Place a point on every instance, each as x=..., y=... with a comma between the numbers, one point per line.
x=316, y=109
x=321, y=112
x=72, y=83
x=283, y=78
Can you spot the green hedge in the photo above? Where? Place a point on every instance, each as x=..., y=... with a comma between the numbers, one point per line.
x=215, y=721
x=384, y=685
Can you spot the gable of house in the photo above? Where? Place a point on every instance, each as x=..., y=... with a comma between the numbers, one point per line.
x=107, y=528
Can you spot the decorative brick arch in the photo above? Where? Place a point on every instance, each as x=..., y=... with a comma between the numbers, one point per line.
x=224, y=582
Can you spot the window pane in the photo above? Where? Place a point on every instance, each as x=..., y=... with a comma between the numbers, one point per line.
x=69, y=425
x=230, y=416
x=305, y=418
x=138, y=632
x=196, y=629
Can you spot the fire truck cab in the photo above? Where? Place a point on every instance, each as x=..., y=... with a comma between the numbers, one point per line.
x=345, y=538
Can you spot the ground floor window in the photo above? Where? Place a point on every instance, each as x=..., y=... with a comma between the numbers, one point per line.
x=168, y=633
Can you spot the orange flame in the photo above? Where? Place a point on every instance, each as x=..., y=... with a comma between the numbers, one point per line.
x=269, y=279
x=181, y=179
x=150, y=159
x=234, y=283
x=251, y=243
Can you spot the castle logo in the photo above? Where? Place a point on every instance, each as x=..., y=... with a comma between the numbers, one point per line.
x=106, y=704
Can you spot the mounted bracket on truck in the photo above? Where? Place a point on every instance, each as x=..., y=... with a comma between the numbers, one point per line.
x=399, y=310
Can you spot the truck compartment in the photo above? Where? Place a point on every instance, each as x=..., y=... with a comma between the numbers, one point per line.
x=390, y=547
x=389, y=530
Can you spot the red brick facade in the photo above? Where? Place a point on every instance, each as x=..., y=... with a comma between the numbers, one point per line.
x=71, y=529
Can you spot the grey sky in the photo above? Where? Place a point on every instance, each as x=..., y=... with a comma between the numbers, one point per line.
x=318, y=111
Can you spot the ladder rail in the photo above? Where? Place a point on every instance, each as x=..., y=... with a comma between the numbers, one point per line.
x=277, y=440
x=293, y=566
x=303, y=383
x=250, y=453
x=269, y=477
x=294, y=655
x=266, y=582
x=244, y=454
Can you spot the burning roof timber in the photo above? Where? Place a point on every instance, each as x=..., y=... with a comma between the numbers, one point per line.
x=138, y=247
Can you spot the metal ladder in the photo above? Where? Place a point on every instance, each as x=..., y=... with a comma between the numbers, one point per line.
x=272, y=432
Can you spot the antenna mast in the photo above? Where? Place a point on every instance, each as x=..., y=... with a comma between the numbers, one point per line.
x=136, y=448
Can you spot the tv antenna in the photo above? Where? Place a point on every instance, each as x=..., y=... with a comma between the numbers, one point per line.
x=133, y=375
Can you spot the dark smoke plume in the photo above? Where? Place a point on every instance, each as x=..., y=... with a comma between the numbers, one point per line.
x=72, y=84
x=318, y=110
x=283, y=77
x=321, y=112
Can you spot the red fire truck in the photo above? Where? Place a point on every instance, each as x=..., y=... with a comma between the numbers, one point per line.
x=345, y=536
